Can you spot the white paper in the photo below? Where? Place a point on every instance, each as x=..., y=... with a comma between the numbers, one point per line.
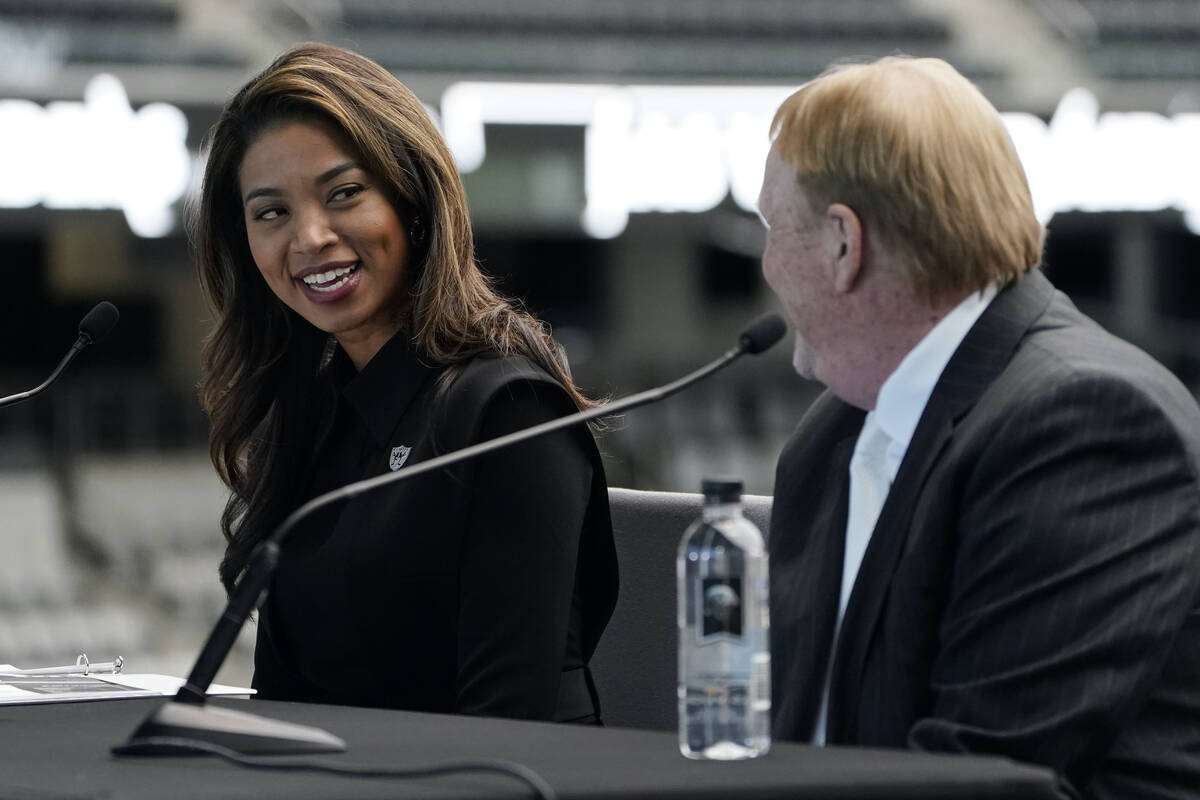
x=70, y=688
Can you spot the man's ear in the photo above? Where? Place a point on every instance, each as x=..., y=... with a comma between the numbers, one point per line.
x=846, y=242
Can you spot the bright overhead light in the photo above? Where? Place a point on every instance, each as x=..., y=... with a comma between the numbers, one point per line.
x=684, y=148
x=98, y=153
x=1116, y=161
x=646, y=148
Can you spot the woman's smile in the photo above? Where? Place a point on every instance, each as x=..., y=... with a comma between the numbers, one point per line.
x=324, y=235
x=329, y=282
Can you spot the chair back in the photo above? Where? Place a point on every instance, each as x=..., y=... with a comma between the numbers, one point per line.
x=635, y=664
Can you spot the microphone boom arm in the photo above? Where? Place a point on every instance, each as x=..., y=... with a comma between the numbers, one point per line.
x=75, y=350
x=254, y=579
x=185, y=717
x=94, y=326
x=624, y=404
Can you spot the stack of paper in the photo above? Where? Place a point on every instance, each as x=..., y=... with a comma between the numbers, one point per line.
x=17, y=688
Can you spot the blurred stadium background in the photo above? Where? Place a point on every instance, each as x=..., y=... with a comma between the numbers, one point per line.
x=611, y=150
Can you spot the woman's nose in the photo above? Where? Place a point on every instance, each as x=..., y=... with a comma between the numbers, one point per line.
x=314, y=232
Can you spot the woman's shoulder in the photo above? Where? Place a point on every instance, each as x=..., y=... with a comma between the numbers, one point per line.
x=474, y=387
x=501, y=369
x=478, y=381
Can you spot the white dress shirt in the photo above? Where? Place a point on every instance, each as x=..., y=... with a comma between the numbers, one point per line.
x=883, y=441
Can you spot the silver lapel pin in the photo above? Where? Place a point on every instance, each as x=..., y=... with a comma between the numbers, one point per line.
x=398, y=457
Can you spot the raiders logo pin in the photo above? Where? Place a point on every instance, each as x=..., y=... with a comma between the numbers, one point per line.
x=398, y=457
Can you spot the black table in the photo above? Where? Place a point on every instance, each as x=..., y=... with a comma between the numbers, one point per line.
x=60, y=751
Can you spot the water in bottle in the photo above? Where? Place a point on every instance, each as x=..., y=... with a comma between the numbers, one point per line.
x=724, y=648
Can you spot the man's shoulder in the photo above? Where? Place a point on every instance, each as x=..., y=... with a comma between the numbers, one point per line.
x=1069, y=353
x=1070, y=379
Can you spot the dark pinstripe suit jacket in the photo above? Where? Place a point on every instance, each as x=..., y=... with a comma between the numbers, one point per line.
x=1031, y=585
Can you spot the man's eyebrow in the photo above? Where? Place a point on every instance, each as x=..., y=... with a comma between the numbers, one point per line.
x=329, y=174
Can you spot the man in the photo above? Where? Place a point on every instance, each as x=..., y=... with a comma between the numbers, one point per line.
x=986, y=533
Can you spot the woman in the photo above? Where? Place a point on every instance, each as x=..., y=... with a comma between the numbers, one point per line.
x=356, y=334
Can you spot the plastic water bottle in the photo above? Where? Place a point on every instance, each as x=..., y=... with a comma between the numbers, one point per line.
x=724, y=627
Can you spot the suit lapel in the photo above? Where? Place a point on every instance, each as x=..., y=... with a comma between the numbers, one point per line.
x=826, y=553
x=806, y=550
x=875, y=572
x=983, y=354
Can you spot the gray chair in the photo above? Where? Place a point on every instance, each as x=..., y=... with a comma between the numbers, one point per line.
x=635, y=665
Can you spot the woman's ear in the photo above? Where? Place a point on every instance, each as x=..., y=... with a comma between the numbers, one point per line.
x=846, y=239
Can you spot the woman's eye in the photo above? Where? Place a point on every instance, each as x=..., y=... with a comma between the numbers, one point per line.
x=345, y=192
x=268, y=214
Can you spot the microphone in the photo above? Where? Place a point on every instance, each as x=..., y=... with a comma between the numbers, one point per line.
x=94, y=326
x=185, y=717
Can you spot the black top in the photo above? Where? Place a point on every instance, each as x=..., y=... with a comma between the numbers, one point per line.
x=480, y=588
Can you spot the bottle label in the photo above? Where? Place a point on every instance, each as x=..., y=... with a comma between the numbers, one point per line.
x=723, y=608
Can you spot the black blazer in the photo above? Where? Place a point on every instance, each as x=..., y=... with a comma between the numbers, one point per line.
x=1031, y=585
x=480, y=588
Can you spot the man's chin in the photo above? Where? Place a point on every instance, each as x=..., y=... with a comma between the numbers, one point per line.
x=802, y=362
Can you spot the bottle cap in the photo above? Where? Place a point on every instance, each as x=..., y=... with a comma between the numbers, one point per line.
x=721, y=489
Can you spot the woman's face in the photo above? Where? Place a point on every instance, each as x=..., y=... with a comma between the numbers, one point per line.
x=324, y=236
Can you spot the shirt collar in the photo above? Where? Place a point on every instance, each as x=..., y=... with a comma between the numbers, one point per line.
x=903, y=396
x=385, y=387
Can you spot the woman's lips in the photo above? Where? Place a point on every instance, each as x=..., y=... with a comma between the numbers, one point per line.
x=331, y=284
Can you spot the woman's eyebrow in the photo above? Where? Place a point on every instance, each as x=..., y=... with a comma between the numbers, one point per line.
x=329, y=174
x=333, y=172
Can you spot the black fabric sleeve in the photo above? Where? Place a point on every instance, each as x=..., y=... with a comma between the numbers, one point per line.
x=518, y=563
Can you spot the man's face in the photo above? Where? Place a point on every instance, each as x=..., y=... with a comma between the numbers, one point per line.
x=794, y=262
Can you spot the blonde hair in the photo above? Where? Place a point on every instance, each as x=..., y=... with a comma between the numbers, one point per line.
x=924, y=160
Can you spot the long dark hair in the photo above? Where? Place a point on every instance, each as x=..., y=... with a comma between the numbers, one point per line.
x=260, y=363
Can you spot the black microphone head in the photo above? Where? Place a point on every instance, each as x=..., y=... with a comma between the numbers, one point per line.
x=761, y=334
x=99, y=321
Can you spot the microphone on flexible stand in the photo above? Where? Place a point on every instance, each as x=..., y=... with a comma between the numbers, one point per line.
x=94, y=326
x=185, y=718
